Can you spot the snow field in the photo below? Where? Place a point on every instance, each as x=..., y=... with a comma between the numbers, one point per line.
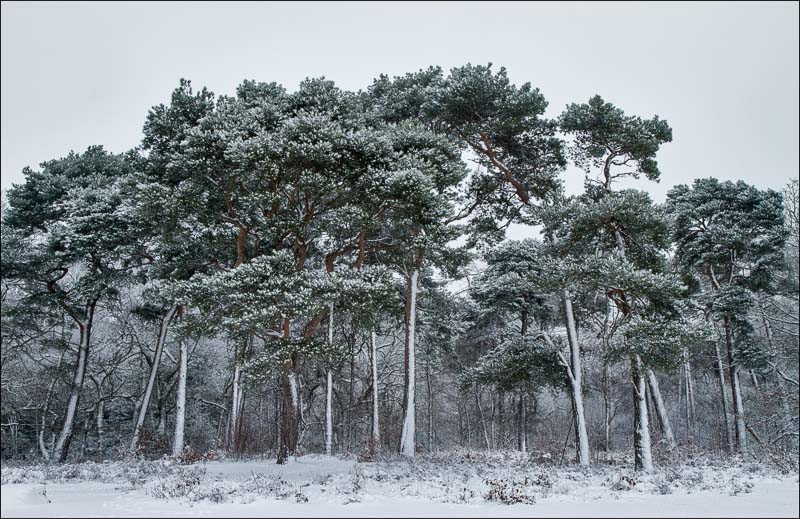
x=457, y=483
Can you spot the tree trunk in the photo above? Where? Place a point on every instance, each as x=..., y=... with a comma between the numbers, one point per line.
x=375, y=438
x=524, y=418
x=65, y=437
x=161, y=430
x=576, y=382
x=724, y=398
x=328, y=415
x=689, y=401
x=483, y=421
x=290, y=410
x=407, y=440
x=328, y=394
x=606, y=409
x=42, y=447
x=162, y=335
x=430, y=403
x=99, y=420
x=501, y=428
x=663, y=417
x=643, y=459
x=180, y=402
x=736, y=392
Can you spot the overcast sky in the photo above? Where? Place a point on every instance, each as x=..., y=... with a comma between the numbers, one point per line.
x=724, y=75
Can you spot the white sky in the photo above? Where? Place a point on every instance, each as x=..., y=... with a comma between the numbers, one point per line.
x=724, y=75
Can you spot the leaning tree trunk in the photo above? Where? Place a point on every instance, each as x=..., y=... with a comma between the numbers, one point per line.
x=180, y=402
x=407, y=439
x=663, y=417
x=162, y=335
x=61, y=448
x=643, y=458
x=575, y=376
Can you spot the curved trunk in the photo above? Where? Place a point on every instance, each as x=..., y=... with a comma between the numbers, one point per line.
x=65, y=437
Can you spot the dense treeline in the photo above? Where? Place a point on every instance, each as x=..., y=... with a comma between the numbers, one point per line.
x=279, y=272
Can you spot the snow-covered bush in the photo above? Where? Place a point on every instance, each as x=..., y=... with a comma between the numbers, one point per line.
x=179, y=484
x=510, y=491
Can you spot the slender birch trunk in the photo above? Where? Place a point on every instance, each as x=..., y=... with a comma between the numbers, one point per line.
x=376, y=436
x=606, y=409
x=430, y=403
x=329, y=392
x=180, y=403
x=689, y=399
x=407, y=440
x=234, y=416
x=643, y=458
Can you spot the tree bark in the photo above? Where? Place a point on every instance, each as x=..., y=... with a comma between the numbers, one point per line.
x=375, y=437
x=180, y=403
x=643, y=459
x=663, y=417
x=290, y=410
x=65, y=437
x=42, y=447
x=328, y=393
x=407, y=439
x=162, y=335
x=736, y=392
x=575, y=376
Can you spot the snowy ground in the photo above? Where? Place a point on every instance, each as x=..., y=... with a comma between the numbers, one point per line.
x=457, y=484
